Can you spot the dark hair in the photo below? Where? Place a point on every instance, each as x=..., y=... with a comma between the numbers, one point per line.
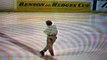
x=48, y=22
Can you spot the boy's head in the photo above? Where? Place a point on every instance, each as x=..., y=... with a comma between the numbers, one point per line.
x=48, y=22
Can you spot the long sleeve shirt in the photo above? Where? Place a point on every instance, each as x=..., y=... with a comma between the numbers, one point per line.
x=51, y=30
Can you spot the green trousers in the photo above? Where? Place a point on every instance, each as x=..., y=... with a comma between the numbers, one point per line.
x=49, y=46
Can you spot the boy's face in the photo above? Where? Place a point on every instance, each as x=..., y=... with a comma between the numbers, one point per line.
x=48, y=25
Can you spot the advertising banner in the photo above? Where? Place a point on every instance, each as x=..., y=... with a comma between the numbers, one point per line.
x=52, y=6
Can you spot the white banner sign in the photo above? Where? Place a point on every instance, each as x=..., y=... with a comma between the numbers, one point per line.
x=101, y=5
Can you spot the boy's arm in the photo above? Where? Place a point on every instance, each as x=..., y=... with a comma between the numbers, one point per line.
x=53, y=31
x=47, y=31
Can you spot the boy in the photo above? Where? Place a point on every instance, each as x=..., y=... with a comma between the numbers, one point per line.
x=51, y=33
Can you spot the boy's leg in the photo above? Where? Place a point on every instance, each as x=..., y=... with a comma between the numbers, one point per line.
x=51, y=51
x=49, y=44
x=44, y=50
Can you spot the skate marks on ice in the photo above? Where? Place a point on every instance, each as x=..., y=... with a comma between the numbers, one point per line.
x=25, y=47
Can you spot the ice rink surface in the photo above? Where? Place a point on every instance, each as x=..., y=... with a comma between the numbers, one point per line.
x=81, y=36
